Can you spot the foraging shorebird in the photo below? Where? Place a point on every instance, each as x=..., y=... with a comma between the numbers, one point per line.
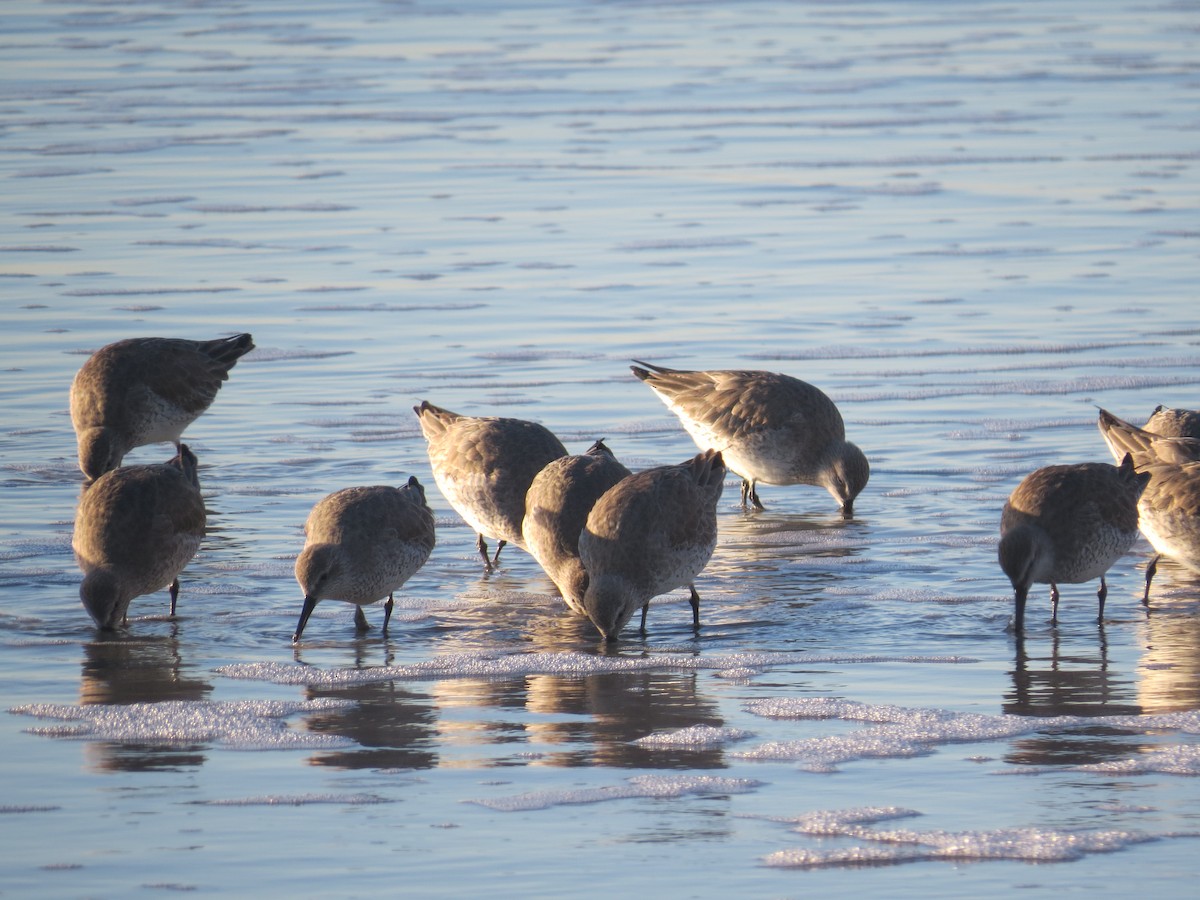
x=1169, y=509
x=1144, y=445
x=556, y=510
x=145, y=390
x=652, y=532
x=768, y=427
x=1174, y=422
x=361, y=545
x=136, y=529
x=1068, y=524
x=484, y=466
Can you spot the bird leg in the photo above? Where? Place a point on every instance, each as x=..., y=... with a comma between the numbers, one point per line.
x=1053, y=603
x=1151, y=571
x=749, y=492
x=175, y=594
x=1102, y=594
x=387, y=613
x=496, y=559
x=483, y=551
x=645, y=609
x=695, y=601
x=360, y=619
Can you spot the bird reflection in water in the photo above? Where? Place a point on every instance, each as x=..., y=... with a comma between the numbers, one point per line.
x=583, y=720
x=122, y=669
x=392, y=727
x=1169, y=672
x=611, y=710
x=765, y=540
x=1071, y=682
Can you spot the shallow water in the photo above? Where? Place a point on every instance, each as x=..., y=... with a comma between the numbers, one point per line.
x=969, y=225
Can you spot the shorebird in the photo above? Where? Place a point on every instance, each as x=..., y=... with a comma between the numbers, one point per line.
x=769, y=427
x=136, y=528
x=484, y=466
x=1170, y=515
x=556, y=509
x=1066, y=525
x=145, y=390
x=1169, y=509
x=1174, y=422
x=361, y=545
x=1144, y=445
x=652, y=532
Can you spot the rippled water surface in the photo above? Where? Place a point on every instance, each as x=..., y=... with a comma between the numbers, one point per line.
x=970, y=224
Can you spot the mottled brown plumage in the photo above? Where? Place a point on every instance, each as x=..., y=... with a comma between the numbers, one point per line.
x=1068, y=524
x=556, y=510
x=1143, y=445
x=652, y=532
x=145, y=390
x=136, y=528
x=484, y=466
x=361, y=545
x=1169, y=509
x=1174, y=422
x=768, y=427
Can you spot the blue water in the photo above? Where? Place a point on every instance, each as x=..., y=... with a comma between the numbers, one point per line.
x=970, y=225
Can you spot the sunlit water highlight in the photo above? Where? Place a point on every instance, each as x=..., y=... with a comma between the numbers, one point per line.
x=969, y=225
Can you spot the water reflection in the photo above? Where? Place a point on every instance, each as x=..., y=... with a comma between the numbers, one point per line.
x=1173, y=581
x=124, y=669
x=587, y=719
x=504, y=612
x=763, y=539
x=1169, y=673
x=394, y=727
x=1070, y=681
x=617, y=709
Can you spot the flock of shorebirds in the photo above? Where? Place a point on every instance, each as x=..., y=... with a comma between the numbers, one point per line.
x=610, y=540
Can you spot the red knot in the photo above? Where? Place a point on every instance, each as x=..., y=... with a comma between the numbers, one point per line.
x=1174, y=422
x=768, y=427
x=1068, y=524
x=484, y=466
x=145, y=390
x=652, y=532
x=136, y=529
x=1169, y=510
x=361, y=545
x=556, y=509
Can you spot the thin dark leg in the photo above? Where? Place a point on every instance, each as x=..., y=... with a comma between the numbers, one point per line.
x=1151, y=571
x=695, y=601
x=496, y=559
x=645, y=609
x=482, y=545
x=360, y=619
x=1102, y=594
x=1053, y=603
x=387, y=613
x=175, y=594
x=745, y=492
x=754, y=495
x=1019, y=616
